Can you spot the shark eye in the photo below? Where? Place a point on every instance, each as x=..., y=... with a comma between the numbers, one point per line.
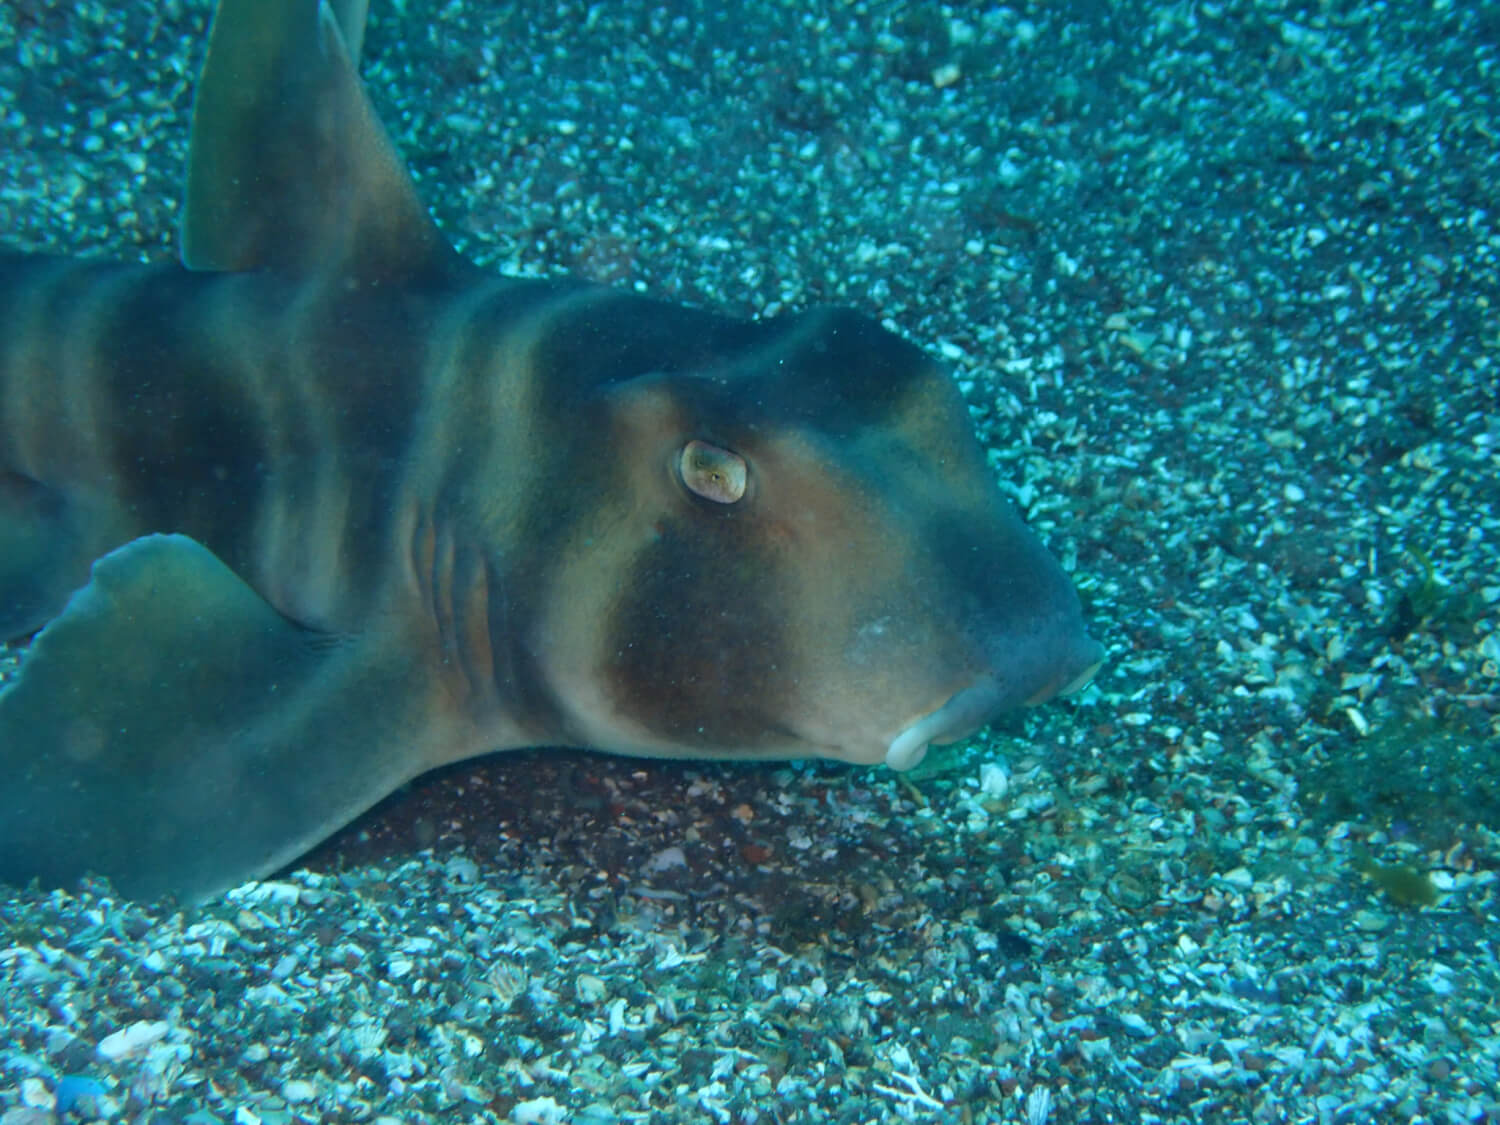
x=713, y=473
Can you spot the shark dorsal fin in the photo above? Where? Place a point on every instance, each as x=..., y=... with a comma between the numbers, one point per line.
x=351, y=15
x=290, y=169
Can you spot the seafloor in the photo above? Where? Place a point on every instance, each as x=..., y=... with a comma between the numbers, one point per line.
x=1220, y=283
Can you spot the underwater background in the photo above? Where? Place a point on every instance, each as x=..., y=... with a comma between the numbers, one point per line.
x=1221, y=285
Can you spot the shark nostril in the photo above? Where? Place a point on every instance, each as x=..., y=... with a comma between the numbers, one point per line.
x=969, y=709
x=1082, y=680
x=1075, y=676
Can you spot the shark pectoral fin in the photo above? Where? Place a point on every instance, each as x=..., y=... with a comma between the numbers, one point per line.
x=289, y=168
x=172, y=731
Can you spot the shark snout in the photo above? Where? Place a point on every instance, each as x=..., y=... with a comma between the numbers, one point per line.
x=972, y=707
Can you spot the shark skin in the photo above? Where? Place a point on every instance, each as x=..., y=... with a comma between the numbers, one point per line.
x=324, y=507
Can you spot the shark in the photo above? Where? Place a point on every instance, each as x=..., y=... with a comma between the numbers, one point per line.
x=324, y=506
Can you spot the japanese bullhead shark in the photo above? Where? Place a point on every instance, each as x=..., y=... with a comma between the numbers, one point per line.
x=325, y=506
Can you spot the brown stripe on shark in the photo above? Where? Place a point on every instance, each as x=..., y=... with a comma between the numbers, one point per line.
x=701, y=571
x=667, y=667
x=183, y=435
x=332, y=370
x=59, y=427
x=486, y=389
x=50, y=423
x=491, y=493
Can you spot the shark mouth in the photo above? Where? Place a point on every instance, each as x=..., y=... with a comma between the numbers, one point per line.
x=968, y=710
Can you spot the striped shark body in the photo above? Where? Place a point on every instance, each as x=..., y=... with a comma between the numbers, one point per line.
x=325, y=507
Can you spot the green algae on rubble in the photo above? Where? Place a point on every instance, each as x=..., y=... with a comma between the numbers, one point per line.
x=1399, y=882
x=1418, y=774
x=1427, y=603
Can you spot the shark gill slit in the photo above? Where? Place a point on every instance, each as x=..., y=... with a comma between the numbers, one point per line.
x=453, y=585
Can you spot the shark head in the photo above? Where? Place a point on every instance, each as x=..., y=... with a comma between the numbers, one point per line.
x=797, y=551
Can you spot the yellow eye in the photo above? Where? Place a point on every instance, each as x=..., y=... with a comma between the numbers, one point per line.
x=713, y=473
